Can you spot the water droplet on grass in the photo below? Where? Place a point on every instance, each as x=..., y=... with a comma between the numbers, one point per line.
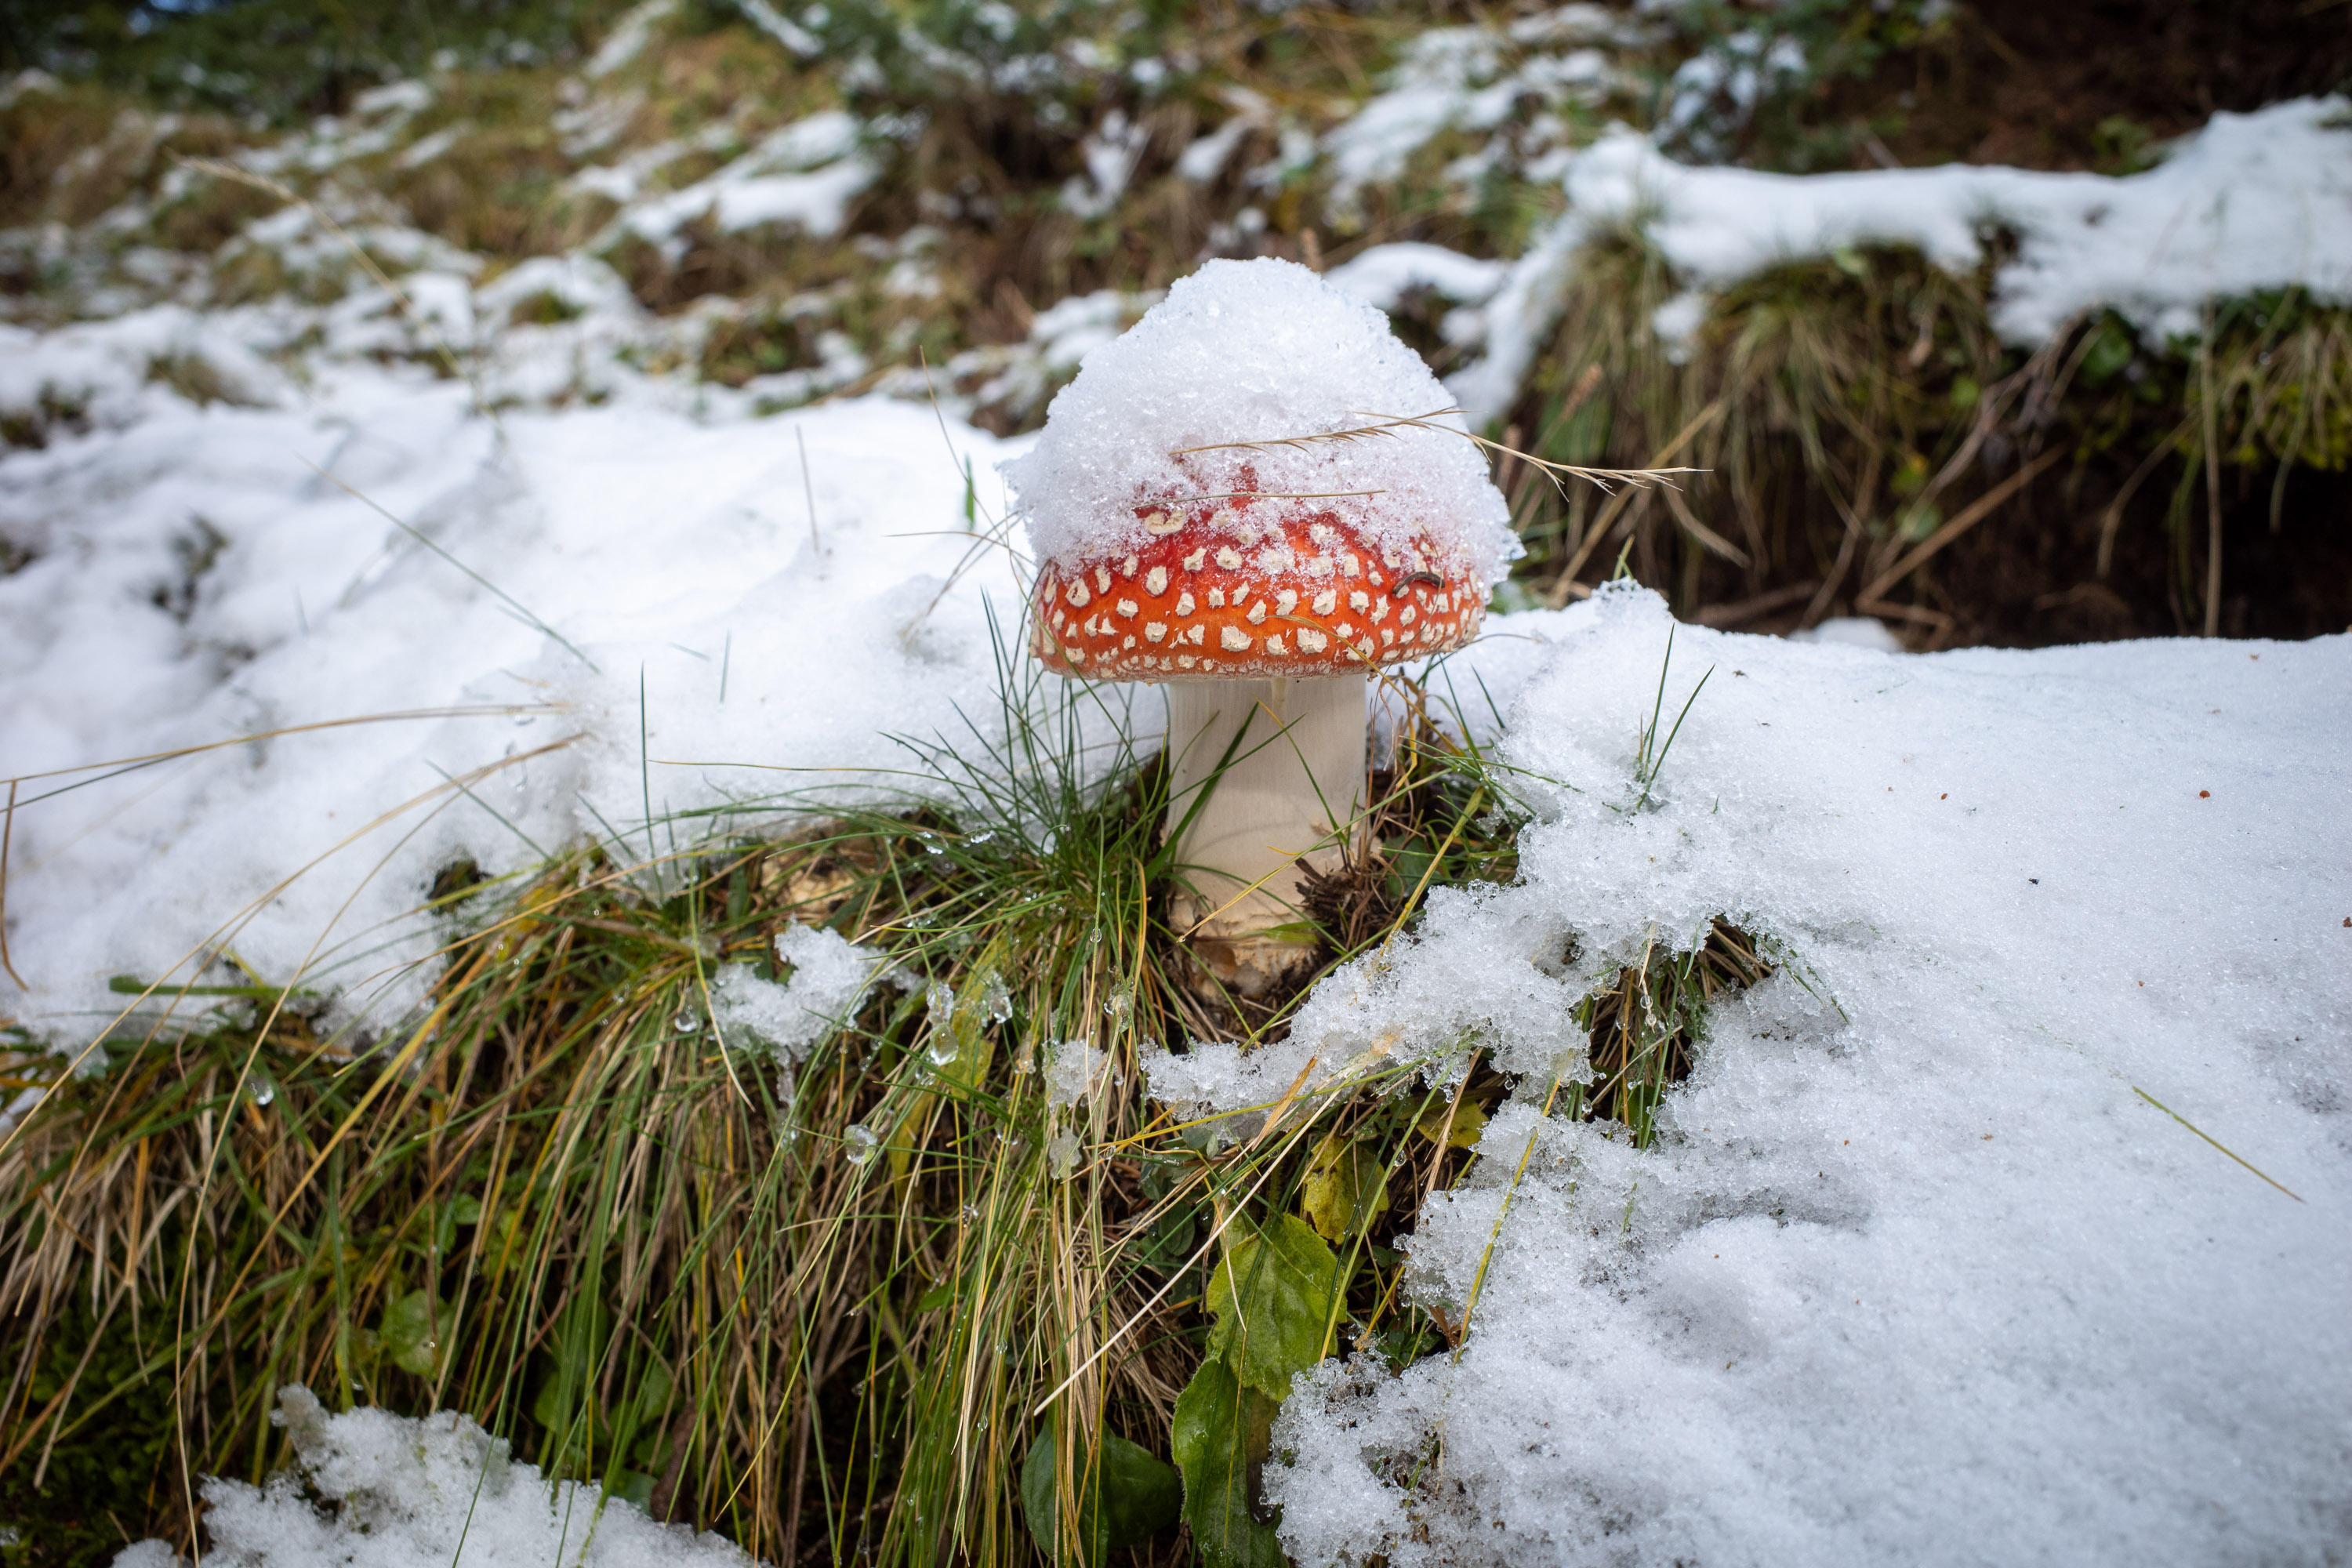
x=688, y=1023
x=859, y=1143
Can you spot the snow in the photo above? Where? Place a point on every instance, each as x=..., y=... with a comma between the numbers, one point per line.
x=830, y=978
x=1466, y=79
x=1254, y=351
x=1384, y=274
x=2251, y=201
x=629, y=36
x=805, y=173
x=1854, y=631
x=192, y=579
x=438, y=1492
x=1922, y=1269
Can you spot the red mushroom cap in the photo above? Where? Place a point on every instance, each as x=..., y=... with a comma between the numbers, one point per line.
x=1247, y=588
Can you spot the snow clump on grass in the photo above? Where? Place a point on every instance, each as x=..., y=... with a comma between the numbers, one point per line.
x=831, y=975
x=438, y=1492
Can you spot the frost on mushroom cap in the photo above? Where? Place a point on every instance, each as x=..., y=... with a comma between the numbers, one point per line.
x=1254, y=351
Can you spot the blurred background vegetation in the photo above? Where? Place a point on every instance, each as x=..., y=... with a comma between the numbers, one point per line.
x=1049, y=167
x=1838, y=394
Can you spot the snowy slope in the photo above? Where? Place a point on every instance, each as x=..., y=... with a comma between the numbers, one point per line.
x=198, y=575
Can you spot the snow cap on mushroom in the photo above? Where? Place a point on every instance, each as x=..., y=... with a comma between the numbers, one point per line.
x=1159, y=561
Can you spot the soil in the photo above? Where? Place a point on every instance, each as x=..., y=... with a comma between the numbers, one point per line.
x=2077, y=85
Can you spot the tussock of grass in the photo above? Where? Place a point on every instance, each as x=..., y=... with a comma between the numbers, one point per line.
x=1852, y=410
x=802, y=1307
x=825, y=1306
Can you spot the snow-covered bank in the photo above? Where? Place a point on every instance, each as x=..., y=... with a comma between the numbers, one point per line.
x=1924, y=1269
x=196, y=575
x=2253, y=201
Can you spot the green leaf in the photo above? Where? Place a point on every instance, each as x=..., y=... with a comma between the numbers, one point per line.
x=1224, y=1428
x=1272, y=1296
x=2108, y=353
x=415, y=1328
x=1129, y=1498
x=1469, y=1121
x=1345, y=1188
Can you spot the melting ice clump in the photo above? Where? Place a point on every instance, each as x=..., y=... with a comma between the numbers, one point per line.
x=1922, y=1268
x=1254, y=351
x=830, y=978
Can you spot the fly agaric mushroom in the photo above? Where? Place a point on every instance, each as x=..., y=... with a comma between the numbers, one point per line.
x=1247, y=498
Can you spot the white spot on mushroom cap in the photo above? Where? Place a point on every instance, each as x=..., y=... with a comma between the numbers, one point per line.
x=1229, y=557
x=1155, y=582
x=1257, y=617
x=1184, y=604
x=1079, y=595
x=1155, y=631
x=1232, y=639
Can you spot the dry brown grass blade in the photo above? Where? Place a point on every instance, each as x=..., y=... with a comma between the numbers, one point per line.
x=7, y=833
x=1565, y=584
x=2111, y=521
x=2207, y=401
x=1385, y=427
x=1974, y=513
x=1706, y=536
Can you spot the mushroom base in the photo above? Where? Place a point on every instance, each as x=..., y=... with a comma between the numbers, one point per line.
x=1286, y=801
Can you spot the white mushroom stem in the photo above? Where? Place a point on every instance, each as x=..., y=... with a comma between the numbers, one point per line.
x=1294, y=787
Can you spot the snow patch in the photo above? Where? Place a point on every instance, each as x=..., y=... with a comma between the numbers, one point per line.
x=1922, y=1267
x=438, y=1492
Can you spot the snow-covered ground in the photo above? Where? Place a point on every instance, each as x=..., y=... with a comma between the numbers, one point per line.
x=1939, y=1261
x=2006, y=1225
x=534, y=625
